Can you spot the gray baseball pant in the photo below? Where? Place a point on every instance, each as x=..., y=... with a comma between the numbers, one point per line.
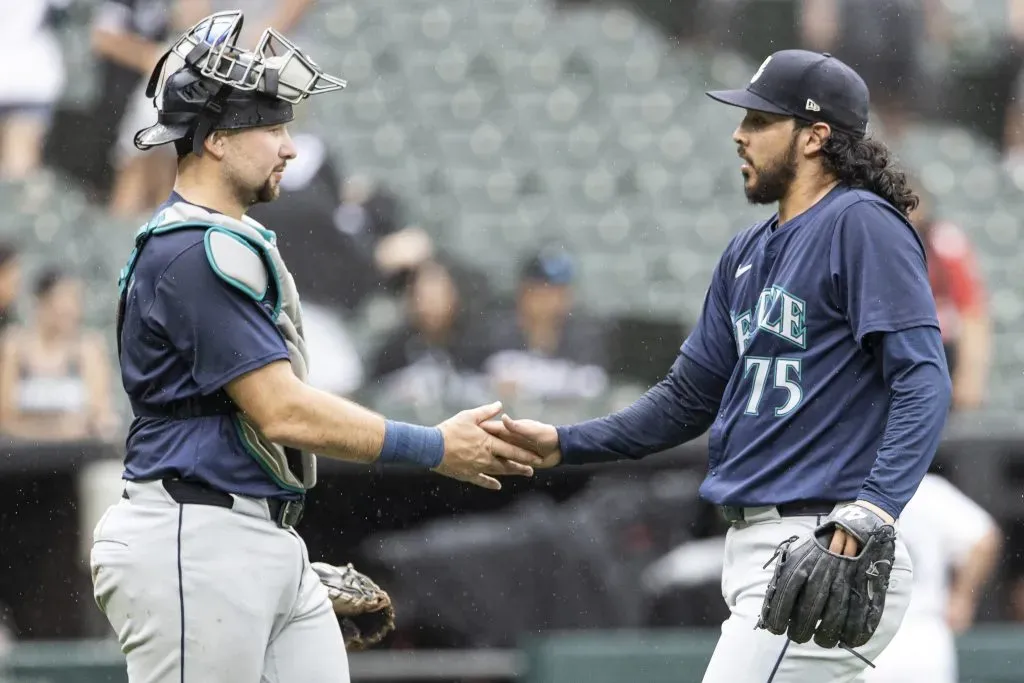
x=748, y=655
x=198, y=593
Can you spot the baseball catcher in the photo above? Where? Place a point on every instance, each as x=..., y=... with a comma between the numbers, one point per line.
x=363, y=608
x=834, y=598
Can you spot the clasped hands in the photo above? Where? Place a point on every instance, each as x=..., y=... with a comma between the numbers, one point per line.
x=478, y=448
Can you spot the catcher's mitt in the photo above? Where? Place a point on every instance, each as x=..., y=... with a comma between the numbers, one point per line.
x=363, y=609
x=834, y=598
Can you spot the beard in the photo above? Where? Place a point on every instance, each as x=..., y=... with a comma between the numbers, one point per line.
x=773, y=179
x=250, y=196
x=268, y=192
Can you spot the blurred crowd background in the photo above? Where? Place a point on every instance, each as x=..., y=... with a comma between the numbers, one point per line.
x=520, y=199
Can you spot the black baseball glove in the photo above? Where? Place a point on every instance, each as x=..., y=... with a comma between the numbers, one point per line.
x=363, y=609
x=835, y=599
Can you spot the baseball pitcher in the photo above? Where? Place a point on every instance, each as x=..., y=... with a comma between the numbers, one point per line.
x=817, y=365
x=199, y=568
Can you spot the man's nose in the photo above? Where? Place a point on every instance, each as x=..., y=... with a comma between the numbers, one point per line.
x=288, y=150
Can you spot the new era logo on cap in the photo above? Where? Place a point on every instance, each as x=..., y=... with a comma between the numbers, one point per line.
x=808, y=85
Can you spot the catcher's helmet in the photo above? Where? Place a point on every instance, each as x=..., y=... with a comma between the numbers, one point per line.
x=205, y=82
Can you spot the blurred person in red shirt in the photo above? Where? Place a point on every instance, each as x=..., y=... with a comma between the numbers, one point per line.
x=961, y=301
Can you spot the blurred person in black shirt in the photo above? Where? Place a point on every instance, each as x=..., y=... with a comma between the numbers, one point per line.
x=129, y=36
x=546, y=348
x=349, y=238
x=348, y=242
x=434, y=358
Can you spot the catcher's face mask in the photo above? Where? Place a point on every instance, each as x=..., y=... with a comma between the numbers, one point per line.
x=205, y=82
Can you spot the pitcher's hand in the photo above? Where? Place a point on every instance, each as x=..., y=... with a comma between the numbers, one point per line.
x=844, y=543
x=536, y=437
x=471, y=454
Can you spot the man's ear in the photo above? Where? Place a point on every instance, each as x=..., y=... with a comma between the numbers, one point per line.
x=817, y=134
x=215, y=144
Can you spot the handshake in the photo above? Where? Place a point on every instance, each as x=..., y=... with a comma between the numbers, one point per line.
x=478, y=448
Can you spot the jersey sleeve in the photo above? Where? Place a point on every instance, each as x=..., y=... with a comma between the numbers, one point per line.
x=222, y=332
x=879, y=273
x=711, y=344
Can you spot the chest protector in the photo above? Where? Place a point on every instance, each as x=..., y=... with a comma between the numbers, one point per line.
x=244, y=254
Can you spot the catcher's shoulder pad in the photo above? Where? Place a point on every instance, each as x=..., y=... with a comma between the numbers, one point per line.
x=236, y=261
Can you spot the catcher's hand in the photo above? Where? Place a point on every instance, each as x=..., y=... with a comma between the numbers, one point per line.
x=835, y=598
x=363, y=608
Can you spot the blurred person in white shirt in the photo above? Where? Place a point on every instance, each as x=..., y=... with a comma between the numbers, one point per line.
x=27, y=95
x=954, y=545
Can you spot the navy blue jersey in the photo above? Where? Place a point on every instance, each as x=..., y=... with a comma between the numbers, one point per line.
x=784, y=323
x=187, y=333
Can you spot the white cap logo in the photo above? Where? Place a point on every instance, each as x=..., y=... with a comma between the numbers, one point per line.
x=812, y=106
x=760, y=70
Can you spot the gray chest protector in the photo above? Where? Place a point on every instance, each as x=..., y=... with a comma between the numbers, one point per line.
x=244, y=254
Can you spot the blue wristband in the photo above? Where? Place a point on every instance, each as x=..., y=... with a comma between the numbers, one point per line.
x=412, y=444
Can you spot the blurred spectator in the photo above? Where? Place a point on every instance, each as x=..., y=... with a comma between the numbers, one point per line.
x=345, y=241
x=10, y=283
x=436, y=355
x=128, y=38
x=55, y=376
x=144, y=179
x=885, y=41
x=374, y=216
x=955, y=545
x=545, y=349
x=30, y=83
x=323, y=219
x=961, y=301
x=285, y=16
x=132, y=34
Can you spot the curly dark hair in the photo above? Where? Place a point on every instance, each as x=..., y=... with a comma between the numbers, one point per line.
x=867, y=164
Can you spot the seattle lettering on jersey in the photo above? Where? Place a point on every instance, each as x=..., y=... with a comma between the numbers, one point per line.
x=777, y=312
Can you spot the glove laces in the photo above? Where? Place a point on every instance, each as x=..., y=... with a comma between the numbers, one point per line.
x=780, y=549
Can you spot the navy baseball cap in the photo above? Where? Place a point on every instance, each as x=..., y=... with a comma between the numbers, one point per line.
x=813, y=86
x=549, y=266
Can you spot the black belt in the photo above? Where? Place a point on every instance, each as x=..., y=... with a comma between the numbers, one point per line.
x=797, y=508
x=286, y=513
